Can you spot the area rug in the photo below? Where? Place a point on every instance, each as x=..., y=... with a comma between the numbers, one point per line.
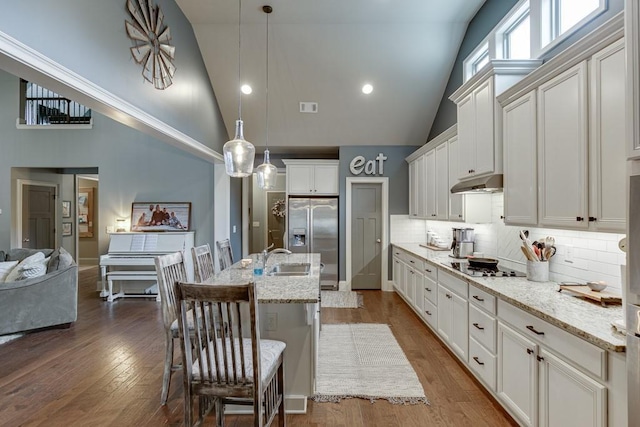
x=340, y=299
x=364, y=360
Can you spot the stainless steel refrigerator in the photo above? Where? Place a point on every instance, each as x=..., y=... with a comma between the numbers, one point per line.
x=313, y=228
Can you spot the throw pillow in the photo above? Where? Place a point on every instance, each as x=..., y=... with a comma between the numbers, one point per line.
x=65, y=259
x=5, y=269
x=54, y=260
x=3, y=256
x=33, y=269
x=13, y=276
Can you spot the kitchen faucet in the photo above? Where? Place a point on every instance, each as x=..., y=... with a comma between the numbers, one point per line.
x=266, y=253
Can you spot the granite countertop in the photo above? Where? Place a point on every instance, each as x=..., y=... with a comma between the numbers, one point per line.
x=588, y=320
x=278, y=289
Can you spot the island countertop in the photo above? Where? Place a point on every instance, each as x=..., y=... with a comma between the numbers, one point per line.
x=277, y=289
x=582, y=318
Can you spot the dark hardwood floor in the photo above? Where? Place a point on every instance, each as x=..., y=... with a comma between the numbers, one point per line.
x=106, y=370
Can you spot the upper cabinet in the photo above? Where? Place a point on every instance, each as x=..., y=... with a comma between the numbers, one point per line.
x=479, y=126
x=456, y=201
x=312, y=177
x=632, y=40
x=564, y=140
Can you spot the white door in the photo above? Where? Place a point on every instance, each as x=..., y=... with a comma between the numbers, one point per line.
x=442, y=181
x=562, y=149
x=568, y=397
x=520, y=161
x=456, y=201
x=517, y=374
x=607, y=172
x=366, y=226
x=484, y=102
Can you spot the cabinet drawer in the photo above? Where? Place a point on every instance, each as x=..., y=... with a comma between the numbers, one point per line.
x=431, y=290
x=482, y=299
x=482, y=327
x=454, y=284
x=430, y=271
x=573, y=349
x=431, y=314
x=414, y=261
x=482, y=363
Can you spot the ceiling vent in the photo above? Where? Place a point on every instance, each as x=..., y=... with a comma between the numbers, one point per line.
x=308, y=107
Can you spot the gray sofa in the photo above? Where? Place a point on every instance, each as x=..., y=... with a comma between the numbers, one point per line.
x=39, y=302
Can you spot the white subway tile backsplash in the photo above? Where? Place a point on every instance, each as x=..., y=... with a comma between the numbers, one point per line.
x=596, y=256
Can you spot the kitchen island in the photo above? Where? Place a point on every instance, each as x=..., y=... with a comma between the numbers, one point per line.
x=289, y=311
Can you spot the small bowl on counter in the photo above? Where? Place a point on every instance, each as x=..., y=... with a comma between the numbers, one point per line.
x=597, y=286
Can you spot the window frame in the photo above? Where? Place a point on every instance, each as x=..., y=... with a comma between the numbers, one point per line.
x=509, y=30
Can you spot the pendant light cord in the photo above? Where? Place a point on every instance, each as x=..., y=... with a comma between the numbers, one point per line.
x=267, y=89
x=239, y=59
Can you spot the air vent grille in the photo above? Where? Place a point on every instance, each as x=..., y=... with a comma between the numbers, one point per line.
x=308, y=107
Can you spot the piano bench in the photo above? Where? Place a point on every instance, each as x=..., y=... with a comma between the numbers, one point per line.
x=127, y=275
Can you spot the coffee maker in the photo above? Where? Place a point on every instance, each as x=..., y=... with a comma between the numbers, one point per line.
x=462, y=242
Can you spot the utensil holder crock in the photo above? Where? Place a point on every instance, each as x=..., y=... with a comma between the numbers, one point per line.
x=538, y=271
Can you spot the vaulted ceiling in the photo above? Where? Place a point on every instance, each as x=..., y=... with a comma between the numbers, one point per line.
x=324, y=51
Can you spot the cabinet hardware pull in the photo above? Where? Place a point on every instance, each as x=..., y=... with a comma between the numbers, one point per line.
x=411, y=272
x=427, y=270
x=540, y=359
x=459, y=215
x=428, y=312
x=592, y=219
x=529, y=351
x=476, y=297
x=532, y=329
x=478, y=326
x=579, y=218
x=448, y=296
x=501, y=216
x=427, y=289
x=412, y=261
x=478, y=361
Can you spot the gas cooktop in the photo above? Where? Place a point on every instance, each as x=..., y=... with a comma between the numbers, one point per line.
x=465, y=268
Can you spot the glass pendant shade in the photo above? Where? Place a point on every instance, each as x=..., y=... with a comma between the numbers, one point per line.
x=239, y=154
x=266, y=173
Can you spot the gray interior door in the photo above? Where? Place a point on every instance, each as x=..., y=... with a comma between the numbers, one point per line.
x=366, y=235
x=38, y=216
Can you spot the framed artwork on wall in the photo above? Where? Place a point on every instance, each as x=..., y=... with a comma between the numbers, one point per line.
x=160, y=216
x=66, y=209
x=67, y=228
x=85, y=212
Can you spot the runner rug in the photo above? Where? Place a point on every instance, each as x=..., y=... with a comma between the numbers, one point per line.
x=364, y=360
x=340, y=299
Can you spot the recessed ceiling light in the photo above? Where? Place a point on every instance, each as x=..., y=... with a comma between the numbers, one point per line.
x=246, y=89
x=367, y=89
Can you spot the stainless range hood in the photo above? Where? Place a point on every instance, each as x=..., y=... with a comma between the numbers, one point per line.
x=485, y=184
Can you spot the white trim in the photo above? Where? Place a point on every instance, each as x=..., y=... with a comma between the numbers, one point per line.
x=445, y=136
x=506, y=23
x=17, y=243
x=384, y=261
x=20, y=59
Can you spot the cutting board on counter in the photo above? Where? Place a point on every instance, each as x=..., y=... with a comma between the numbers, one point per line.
x=434, y=248
x=603, y=297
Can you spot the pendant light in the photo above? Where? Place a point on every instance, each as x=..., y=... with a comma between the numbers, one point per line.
x=267, y=173
x=239, y=153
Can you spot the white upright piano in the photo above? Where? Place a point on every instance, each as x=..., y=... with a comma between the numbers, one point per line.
x=131, y=258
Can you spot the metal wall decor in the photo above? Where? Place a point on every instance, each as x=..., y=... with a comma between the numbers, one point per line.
x=152, y=42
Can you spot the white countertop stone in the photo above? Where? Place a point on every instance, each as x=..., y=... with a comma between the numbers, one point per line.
x=277, y=289
x=588, y=320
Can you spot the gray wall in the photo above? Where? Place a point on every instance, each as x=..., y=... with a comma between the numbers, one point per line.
x=132, y=167
x=395, y=168
x=88, y=37
x=482, y=23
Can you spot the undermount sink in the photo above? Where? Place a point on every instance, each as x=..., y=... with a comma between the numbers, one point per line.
x=290, y=269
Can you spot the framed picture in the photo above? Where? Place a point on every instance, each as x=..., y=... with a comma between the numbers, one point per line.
x=67, y=228
x=160, y=216
x=66, y=209
x=85, y=212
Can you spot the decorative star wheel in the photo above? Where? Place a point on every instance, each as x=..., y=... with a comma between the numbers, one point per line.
x=152, y=42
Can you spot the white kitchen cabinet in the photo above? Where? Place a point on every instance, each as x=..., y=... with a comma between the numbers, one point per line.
x=417, y=189
x=453, y=314
x=607, y=155
x=430, y=183
x=517, y=385
x=456, y=201
x=442, y=182
x=567, y=396
x=444, y=313
x=562, y=149
x=520, y=161
x=466, y=135
x=410, y=289
x=632, y=47
x=312, y=177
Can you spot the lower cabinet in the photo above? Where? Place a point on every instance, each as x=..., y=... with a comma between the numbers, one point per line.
x=452, y=321
x=543, y=390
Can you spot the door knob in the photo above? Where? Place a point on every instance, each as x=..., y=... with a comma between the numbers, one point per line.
x=378, y=240
x=25, y=240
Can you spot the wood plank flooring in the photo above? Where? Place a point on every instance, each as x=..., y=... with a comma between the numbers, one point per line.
x=106, y=370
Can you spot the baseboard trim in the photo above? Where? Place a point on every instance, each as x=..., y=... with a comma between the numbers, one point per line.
x=343, y=285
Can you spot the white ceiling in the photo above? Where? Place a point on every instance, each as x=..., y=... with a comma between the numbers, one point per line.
x=324, y=51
